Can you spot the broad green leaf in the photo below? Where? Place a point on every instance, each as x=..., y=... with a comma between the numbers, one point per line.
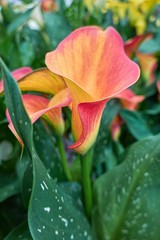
x=20, y=232
x=136, y=124
x=74, y=189
x=154, y=110
x=150, y=46
x=45, y=145
x=27, y=182
x=126, y=199
x=16, y=108
x=53, y=214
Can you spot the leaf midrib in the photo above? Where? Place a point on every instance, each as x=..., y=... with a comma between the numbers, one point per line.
x=139, y=175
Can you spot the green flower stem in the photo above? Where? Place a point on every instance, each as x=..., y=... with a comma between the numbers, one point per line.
x=86, y=164
x=63, y=157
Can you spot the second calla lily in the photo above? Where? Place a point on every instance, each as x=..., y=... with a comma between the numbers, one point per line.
x=147, y=61
x=95, y=68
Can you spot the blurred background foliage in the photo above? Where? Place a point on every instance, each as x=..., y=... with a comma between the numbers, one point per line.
x=28, y=30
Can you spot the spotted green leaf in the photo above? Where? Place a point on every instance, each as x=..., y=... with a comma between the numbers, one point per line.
x=136, y=124
x=45, y=145
x=16, y=108
x=127, y=198
x=54, y=214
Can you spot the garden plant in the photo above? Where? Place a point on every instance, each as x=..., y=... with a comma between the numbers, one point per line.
x=80, y=120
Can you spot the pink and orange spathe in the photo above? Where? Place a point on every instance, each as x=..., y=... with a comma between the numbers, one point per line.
x=39, y=106
x=45, y=82
x=95, y=68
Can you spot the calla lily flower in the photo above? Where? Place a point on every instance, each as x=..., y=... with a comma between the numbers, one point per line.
x=37, y=106
x=87, y=69
x=147, y=62
x=129, y=100
x=116, y=127
x=95, y=68
x=43, y=81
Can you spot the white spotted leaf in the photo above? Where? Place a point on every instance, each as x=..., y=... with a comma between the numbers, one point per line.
x=16, y=108
x=136, y=124
x=45, y=145
x=127, y=197
x=54, y=214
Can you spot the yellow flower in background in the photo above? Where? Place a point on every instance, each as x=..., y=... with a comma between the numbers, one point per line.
x=137, y=11
x=104, y=6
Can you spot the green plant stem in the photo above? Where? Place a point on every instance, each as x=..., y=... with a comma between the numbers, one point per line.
x=63, y=157
x=86, y=163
